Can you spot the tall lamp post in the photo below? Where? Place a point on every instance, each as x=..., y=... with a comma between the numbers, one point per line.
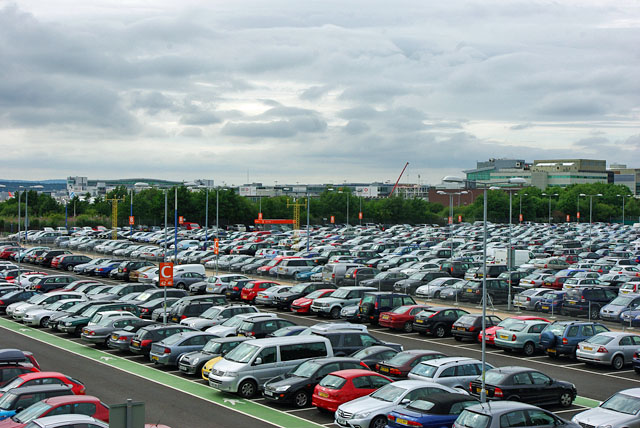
x=550, y=195
x=622, y=196
x=514, y=180
x=520, y=213
x=578, y=208
x=450, y=220
x=590, y=212
x=510, y=250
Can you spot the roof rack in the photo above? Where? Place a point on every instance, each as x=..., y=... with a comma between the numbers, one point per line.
x=8, y=356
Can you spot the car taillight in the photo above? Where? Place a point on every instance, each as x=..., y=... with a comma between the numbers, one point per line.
x=603, y=350
x=513, y=337
x=38, y=287
x=472, y=328
x=91, y=333
x=249, y=333
x=376, y=305
x=565, y=341
x=470, y=387
x=145, y=342
x=377, y=366
x=182, y=317
x=635, y=355
x=1, y=302
x=391, y=417
x=122, y=338
x=236, y=288
x=528, y=299
x=395, y=371
x=167, y=351
x=498, y=393
x=144, y=310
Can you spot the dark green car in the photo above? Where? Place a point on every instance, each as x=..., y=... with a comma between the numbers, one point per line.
x=75, y=323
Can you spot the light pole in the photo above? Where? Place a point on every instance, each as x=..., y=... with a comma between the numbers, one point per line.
x=578, y=209
x=510, y=246
x=206, y=219
x=347, y=193
x=514, y=180
x=590, y=212
x=175, y=221
x=308, y=213
x=164, y=256
x=550, y=196
x=520, y=214
x=450, y=220
x=217, y=224
x=622, y=196
x=131, y=215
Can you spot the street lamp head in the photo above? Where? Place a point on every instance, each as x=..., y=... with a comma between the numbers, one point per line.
x=544, y=194
x=582, y=194
x=440, y=192
x=494, y=188
x=517, y=180
x=599, y=194
x=453, y=179
x=464, y=192
x=555, y=194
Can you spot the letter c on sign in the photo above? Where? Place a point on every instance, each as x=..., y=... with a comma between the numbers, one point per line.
x=163, y=274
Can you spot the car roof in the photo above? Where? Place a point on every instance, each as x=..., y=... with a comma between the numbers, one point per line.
x=437, y=362
x=39, y=388
x=348, y=373
x=65, y=399
x=499, y=407
x=511, y=369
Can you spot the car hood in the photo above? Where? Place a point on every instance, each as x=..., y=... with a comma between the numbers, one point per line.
x=37, y=311
x=291, y=380
x=221, y=331
x=198, y=355
x=329, y=300
x=600, y=416
x=367, y=404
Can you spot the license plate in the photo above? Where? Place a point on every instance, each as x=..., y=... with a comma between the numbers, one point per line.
x=461, y=328
x=545, y=307
x=183, y=367
x=419, y=321
x=135, y=344
x=587, y=348
x=572, y=303
x=469, y=290
x=268, y=393
x=323, y=394
x=361, y=310
x=227, y=294
x=402, y=421
x=504, y=336
x=384, y=369
x=154, y=358
x=384, y=317
x=553, y=351
x=480, y=389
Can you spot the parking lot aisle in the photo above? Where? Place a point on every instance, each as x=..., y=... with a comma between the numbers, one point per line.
x=249, y=408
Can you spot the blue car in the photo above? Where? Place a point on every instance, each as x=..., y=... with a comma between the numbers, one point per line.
x=169, y=350
x=306, y=276
x=613, y=311
x=438, y=410
x=551, y=302
x=630, y=317
x=104, y=270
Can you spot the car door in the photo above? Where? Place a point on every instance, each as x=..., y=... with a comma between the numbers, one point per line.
x=539, y=418
x=523, y=387
x=628, y=347
x=265, y=364
x=351, y=342
x=544, y=390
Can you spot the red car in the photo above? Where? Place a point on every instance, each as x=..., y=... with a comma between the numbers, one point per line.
x=8, y=252
x=264, y=270
x=401, y=318
x=40, y=378
x=346, y=385
x=64, y=404
x=506, y=323
x=251, y=290
x=56, y=260
x=303, y=304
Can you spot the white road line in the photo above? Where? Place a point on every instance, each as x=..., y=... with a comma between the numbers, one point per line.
x=299, y=410
x=535, y=358
x=579, y=409
x=578, y=364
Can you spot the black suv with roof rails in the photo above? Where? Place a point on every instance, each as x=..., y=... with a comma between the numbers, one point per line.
x=587, y=301
x=194, y=306
x=347, y=341
x=373, y=303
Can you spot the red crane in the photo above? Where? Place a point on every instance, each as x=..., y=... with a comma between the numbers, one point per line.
x=397, y=181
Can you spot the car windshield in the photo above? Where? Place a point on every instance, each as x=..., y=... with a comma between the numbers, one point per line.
x=143, y=297
x=318, y=293
x=332, y=381
x=388, y=393
x=599, y=339
x=212, y=347
x=249, y=285
x=340, y=293
x=494, y=377
x=37, y=298
x=32, y=412
x=556, y=329
x=381, y=275
x=89, y=312
x=243, y=353
x=173, y=339
x=619, y=403
x=417, y=275
x=424, y=370
x=296, y=289
x=100, y=290
x=621, y=301
x=306, y=369
x=400, y=359
x=233, y=322
x=401, y=309
x=473, y=420
x=7, y=399
x=210, y=313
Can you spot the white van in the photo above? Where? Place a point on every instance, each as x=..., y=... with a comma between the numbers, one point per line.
x=245, y=369
x=198, y=268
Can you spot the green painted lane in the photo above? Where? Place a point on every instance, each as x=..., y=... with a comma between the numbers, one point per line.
x=231, y=402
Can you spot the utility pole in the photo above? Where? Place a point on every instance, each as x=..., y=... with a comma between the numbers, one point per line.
x=114, y=216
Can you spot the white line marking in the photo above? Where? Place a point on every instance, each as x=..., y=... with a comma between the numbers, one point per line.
x=579, y=409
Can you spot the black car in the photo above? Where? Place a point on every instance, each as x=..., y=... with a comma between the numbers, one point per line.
x=525, y=385
x=411, y=284
x=374, y=354
x=384, y=281
x=260, y=328
x=76, y=309
x=346, y=342
x=69, y=262
x=437, y=321
x=51, y=282
x=373, y=303
x=45, y=259
x=587, y=301
x=147, y=308
x=235, y=288
x=468, y=326
x=15, y=296
x=146, y=336
x=125, y=268
x=194, y=306
x=283, y=300
x=296, y=387
x=497, y=291
x=456, y=269
x=355, y=275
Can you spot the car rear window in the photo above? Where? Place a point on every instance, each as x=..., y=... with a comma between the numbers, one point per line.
x=599, y=339
x=332, y=382
x=473, y=420
x=371, y=299
x=495, y=377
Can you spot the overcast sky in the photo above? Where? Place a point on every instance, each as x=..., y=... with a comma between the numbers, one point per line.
x=313, y=91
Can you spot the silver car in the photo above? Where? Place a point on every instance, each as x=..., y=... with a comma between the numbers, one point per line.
x=494, y=414
x=267, y=296
x=217, y=315
x=622, y=409
x=454, y=372
x=230, y=326
x=371, y=410
x=609, y=348
x=39, y=316
x=529, y=298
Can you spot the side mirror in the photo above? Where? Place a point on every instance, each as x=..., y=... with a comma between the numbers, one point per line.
x=19, y=409
x=405, y=401
x=257, y=362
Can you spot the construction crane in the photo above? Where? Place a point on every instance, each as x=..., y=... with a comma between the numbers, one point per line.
x=114, y=216
x=397, y=181
x=296, y=213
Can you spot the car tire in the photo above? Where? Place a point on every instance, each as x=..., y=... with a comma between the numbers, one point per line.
x=180, y=285
x=595, y=312
x=247, y=389
x=378, y=422
x=44, y=322
x=301, y=399
x=566, y=399
x=440, y=332
x=407, y=327
x=335, y=313
x=436, y=295
x=618, y=362
x=529, y=349
x=70, y=268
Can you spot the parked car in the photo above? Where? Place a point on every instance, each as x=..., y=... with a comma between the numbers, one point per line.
x=529, y=299
x=495, y=415
x=586, y=301
x=373, y=303
x=609, y=348
x=217, y=315
x=374, y=354
x=522, y=336
x=67, y=406
x=497, y=291
x=145, y=337
x=343, y=386
x=438, y=409
x=401, y=318
x=401, y=364
x=490, y=334
x=411, y=284
x=344, y=296
x=100, y=333
x=345, y=342
x=468, y=326
x=285, y=299
x=203, y=361
x=302, y=305
x=169, y=350
x=437, y=321
x=562, y=337
x=454, y=372
x=620, y=410
x=20, y=398
x=613, y=310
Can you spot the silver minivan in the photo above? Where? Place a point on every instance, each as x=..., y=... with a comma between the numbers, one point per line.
x=245, y=369
x=454, y=372
x=334, y=272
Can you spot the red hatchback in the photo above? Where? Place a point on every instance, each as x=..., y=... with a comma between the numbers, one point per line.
x=401, y=318
x=303, y=304
x=62, y=405
x=44, y=378
x=506, y=323
x=251, y=290
x=345, y=385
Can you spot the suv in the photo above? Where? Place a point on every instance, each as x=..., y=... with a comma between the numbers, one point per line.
x=586, y=301
x=492, y=271
x=437, y=321
x=71, y=261
x=456, y=269
x=261, y=327
x=348, y=341
x=290, y=267
x=375, y=302
x=283, y=300
x=217, y=315
x=355, y=275
x=497, y=290
x=194, y=306
x=344, y=296
x=562, y=337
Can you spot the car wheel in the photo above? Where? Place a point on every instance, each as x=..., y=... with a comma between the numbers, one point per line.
x=436, y=295
x=440, y=332
x=247, y=389
x=335, y=313
x=595, y=313
x=70, y=268
x=44, y=322
x=181, y=286
x=457, y=338
x=301, y=399
x=378, y=422
x=618, y=362
x=566, y=398
x=407, y=327
x=529, y=349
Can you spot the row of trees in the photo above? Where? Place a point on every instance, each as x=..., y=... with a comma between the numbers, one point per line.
x=149, y=207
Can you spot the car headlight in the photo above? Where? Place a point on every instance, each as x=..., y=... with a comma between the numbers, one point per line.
x=67, y=324
x=605, y=426
x=361, y=415
x=283, y=388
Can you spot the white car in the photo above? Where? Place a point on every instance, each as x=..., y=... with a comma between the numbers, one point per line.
x=17, y=310
x=39, y=316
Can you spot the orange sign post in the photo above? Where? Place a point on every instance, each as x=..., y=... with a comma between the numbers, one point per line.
x=166, y=275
